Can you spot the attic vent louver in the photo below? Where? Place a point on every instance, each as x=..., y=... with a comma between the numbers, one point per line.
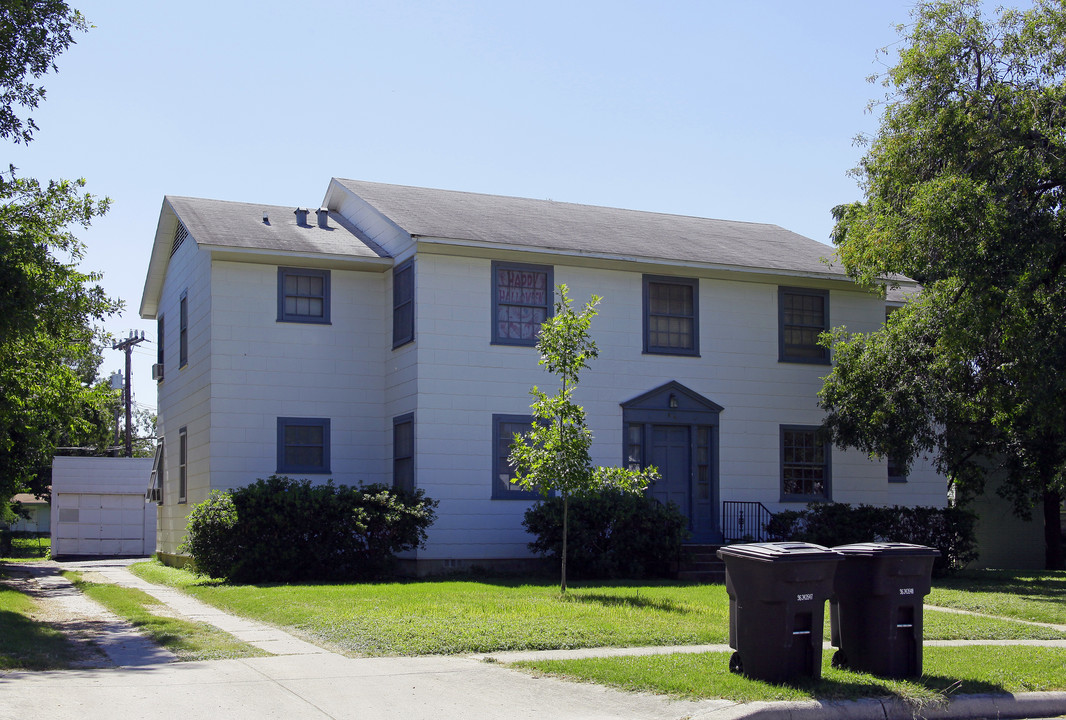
x=180, y=233
x=301, y=216
x=323, y=218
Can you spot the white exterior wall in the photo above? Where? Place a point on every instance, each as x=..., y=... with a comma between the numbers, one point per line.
x=263, y=369
x=184, y=394
x=463, y=380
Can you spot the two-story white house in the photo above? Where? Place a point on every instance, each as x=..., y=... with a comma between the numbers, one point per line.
x=388, y=337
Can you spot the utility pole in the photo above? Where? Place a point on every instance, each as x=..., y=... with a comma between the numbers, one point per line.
x=127, y=346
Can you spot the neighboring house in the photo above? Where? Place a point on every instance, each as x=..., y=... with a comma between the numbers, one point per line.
x=388, y=337
x=39, y=511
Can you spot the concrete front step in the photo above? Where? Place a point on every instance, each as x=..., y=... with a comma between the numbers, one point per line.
x=699, y=563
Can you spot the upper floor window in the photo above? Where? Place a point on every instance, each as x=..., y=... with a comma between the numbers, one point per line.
x=303, y=445
x=522, y=298
x=183, y=330
x=671, y=315
x=504, y=428
x=805, y=467
x=403, y=304
x=803, y=315
x=303, y=295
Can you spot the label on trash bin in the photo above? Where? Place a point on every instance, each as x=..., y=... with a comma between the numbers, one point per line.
x=804, y=597
x=906, y=591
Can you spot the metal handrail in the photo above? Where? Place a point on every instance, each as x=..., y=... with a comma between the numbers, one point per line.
x=745, y=521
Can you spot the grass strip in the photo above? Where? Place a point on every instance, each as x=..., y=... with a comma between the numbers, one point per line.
x=1036, y=596
x=948, y=671
x=458, y=616
x=186, y=639
x=25, y=643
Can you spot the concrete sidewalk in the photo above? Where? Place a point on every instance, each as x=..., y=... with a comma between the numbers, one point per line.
x=301, y=680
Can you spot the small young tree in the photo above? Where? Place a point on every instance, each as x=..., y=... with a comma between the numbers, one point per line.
x=554, y=454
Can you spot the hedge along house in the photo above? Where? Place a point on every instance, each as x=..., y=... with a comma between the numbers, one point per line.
x=388, y=337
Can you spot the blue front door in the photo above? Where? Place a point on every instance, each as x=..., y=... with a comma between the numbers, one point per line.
x=671, y=451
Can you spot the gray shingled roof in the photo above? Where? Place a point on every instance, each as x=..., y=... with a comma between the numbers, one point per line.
x=587, y=229
x=240, y=225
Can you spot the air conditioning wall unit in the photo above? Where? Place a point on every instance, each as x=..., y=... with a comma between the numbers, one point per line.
x=157, y=371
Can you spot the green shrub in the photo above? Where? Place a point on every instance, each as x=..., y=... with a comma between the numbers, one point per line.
x=613, y=534
x=949, y=530
x=285, y=530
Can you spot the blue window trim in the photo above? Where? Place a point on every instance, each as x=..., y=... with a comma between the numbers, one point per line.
x=892, y=470
x=183, y=330
x=549, y=295
x=283, y=316
x=783, y=351
x=284, y=422
x=183, y=464
x=499, y=492
x=402, y=335
x=828, y=453
x=694, y=283
x=406, y=419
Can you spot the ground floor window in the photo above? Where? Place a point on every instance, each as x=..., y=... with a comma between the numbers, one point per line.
x=805, y=467
x=303, y=445
x=183, y=463
x=403, y=452
x=504, y=428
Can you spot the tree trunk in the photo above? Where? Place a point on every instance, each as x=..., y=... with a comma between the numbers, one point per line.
x=562, y=582
x=1053, y=555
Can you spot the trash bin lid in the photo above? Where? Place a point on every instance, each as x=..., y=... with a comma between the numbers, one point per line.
x=779, y=551
x=880, y=549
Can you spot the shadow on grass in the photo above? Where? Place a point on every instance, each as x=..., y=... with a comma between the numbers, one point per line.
x=632, y=601
x=915, y=693
x=29, y=645
x=1049, y=585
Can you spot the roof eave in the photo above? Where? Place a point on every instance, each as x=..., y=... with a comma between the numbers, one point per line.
x=641, y=259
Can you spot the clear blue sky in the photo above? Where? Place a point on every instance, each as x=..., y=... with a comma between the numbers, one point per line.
x=735, y=110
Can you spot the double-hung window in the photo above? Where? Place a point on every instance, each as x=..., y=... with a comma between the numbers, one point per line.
x=504, y=428
x=671, y=315
x=805, y=466
x=522, y=298
x=403, y=452
x=803, y=315
x=183, y=464
x=303, y=295
x=303, y=445
x=403, y=304
x=183, y=330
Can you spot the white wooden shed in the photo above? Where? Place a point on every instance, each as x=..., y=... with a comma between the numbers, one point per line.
x=98, y=507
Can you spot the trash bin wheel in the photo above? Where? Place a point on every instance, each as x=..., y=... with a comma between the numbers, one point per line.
x=840, y=660
x=735, y=665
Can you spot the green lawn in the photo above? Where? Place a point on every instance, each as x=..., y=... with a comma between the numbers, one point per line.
x=28, y=549
x=26, y=644
x=186, y=639
x=706, y=675
x=457, y=616
x=1031, y=595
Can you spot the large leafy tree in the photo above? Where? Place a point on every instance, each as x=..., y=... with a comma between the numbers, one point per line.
x=554, y=455
x=49, y=342
x=964, y=188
